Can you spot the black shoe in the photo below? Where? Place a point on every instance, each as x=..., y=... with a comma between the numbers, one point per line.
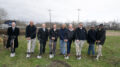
x=32, y=52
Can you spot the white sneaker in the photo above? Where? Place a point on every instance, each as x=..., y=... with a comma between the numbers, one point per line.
x=97, y=59
x=51, y=56
x=67, y=57
x=12, y=54
x=28, y=55
x=78, y=58
x=39, y=57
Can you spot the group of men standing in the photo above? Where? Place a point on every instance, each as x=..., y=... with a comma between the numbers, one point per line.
x=66, y=36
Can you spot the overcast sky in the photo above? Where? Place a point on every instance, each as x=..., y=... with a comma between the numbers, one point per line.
x=62, y=10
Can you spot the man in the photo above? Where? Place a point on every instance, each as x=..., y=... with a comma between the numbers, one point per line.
x=63, y=39
x=31, y=38
x=53, y=35
x=42, y=37
x=70, y=39
x=12, y=42
x=100, y=39
x=91, y=38
x=80, y=37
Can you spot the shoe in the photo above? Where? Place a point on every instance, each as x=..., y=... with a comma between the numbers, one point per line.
x=12, y=54
x=78, y=58
x=67, y=57
x=28, y=55
x=97, y=59
x=39, y=57
x=64, y=55
x=32, y=52
x=50, y=56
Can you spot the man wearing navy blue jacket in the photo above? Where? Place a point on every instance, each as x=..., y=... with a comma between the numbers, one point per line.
x=91, y=38
x=80, y=37
x=63, y=39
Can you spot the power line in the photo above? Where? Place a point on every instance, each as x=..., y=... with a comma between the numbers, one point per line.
x=78, y=15
x=50, y=17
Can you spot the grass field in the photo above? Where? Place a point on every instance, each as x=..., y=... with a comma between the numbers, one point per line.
x=110, y=58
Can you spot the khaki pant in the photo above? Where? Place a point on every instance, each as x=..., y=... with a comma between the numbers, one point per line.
x=99, y=50
x=31, y=45
x=79, y=46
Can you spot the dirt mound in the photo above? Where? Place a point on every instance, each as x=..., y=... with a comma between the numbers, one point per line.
x=112, y=33
x=58, y=63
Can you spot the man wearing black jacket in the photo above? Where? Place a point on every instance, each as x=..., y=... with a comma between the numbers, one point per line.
x=100, y=39
x=53, y=35
x=42, y=37
x=91, y=38
x=80, y=37
x=31, y=38
x=70, y=39
x=12, y=42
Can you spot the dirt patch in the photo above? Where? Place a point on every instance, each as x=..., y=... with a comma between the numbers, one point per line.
x=58, y=63
x=115, y=62
x=4, y=65
x=112, y=33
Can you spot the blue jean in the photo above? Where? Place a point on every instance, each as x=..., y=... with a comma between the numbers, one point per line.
x=62, y=47
x=91, y=48
x=69, y=46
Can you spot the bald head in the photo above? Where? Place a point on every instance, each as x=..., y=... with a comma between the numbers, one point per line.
x=13, y=24
x=31, y=23
x=43, y=25
x=92, y=27
x=70, y=26
x=54, y=26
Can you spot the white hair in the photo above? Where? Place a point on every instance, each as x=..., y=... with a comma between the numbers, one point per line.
x=70, y=25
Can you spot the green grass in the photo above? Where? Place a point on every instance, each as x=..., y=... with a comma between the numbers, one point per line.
x=111, y=56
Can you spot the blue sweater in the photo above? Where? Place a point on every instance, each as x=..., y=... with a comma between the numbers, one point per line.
x=63, y=34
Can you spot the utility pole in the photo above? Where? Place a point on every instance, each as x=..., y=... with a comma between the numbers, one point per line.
x=50, y=17
x=78, y=14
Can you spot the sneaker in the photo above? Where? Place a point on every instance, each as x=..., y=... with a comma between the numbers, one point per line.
x=12, y=54
x=67, y=57
x=39, y=57
x=97, y=59
x=64, y=55
x=50, y=56
x=28, y=55
x=78, y=58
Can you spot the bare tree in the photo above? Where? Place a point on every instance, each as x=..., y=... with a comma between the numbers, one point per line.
x=3, y=15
